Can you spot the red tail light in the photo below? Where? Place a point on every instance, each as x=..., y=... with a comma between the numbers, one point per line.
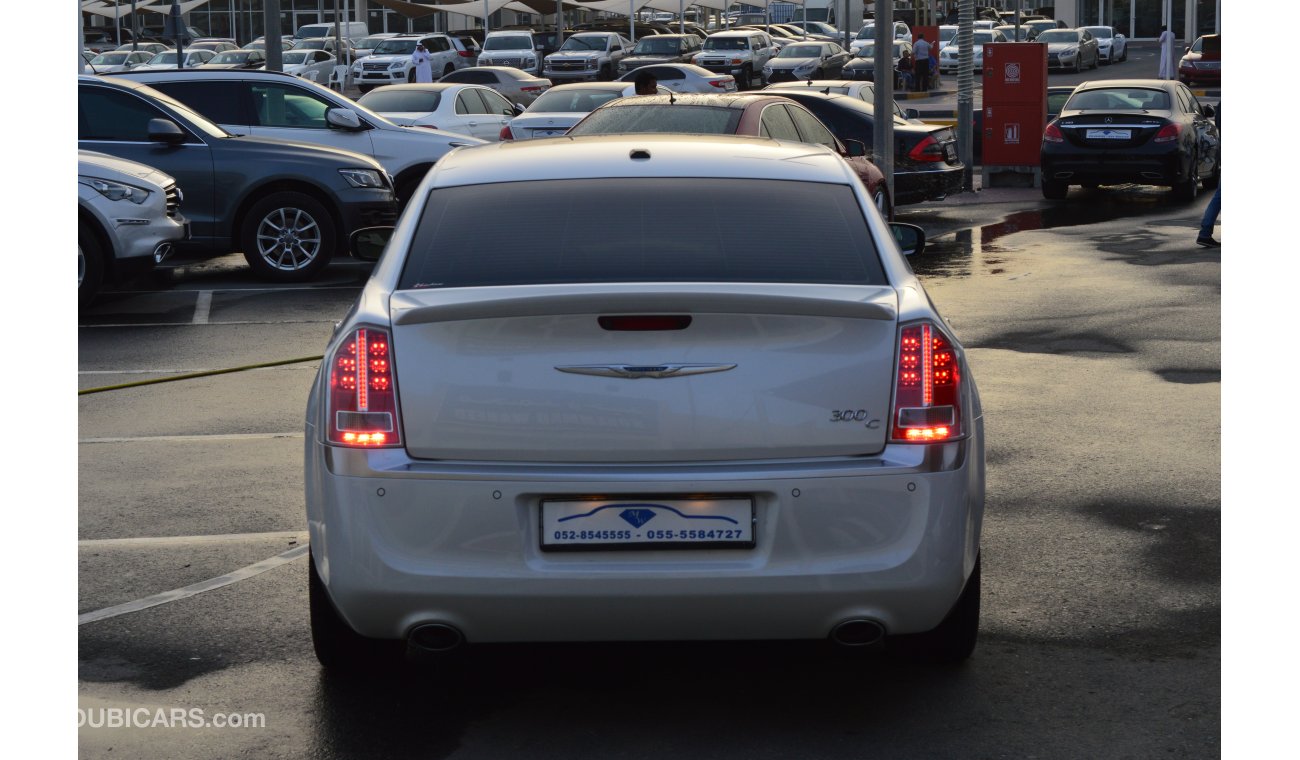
x=928, y=149
x=531, y=88
x=1168, y=133
x=362, y=410
x=506, y=134
x=465, y=53
x=721, y=84
x=927, y=397
x=1053, y=133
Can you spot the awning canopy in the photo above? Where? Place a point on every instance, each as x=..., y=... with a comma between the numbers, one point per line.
x=166, y=9
x=109, y=10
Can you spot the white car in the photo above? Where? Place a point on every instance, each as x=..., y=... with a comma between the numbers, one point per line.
x=116, y=61
x=868, y=34
x=167, y=60
x=948, y=59
x=390, y=61
x=514, y=48
x=561, y=107
x=366, y=45
x=579, y=423
x=312, y=65
x=128, y=218
x=1112, y=47
x=685, y=77
x=467, y=109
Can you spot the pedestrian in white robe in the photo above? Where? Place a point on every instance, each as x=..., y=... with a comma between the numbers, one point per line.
x=423, y=66
x=1167, y=70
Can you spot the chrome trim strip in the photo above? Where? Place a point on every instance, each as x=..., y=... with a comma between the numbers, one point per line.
x=636, y=371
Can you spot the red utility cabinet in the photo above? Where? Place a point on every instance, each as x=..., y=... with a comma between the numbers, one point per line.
x=1015, y=103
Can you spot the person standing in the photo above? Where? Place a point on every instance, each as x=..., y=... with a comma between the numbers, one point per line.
x=423, y=66
x=922, y=63
x=1205, y=237
x=905, y=71
x=1166, y=53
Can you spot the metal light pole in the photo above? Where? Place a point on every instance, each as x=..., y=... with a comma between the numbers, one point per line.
x=966, y=92
x=883, y=134
x=271, y=30
x=178, y=29
x=135, y=28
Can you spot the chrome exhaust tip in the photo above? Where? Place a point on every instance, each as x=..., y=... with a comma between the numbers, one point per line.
x=858, y=633
x=435, y=637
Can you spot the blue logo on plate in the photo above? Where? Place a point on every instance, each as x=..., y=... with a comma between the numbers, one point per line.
x=637, y=517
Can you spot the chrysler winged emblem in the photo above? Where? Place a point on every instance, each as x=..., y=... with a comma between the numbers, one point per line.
x=636, y=371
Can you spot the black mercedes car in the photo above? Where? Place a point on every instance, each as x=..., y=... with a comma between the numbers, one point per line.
x=926, y=166
x=1146, y=131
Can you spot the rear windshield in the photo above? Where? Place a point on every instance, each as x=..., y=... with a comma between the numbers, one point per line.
x=695, y=120
x=1059, y=35
x=1119, y=99
x=394, y=101
x=618, y=230
x=577, y=100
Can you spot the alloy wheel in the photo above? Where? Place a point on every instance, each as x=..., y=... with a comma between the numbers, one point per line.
x=288, y=239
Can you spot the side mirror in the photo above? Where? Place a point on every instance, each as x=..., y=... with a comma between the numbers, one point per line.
x=368, y=243
x=855, y=148
x=910, y=238
x=912, y=113
x=1208, y=110
x=343, y=118
x=165, y=131
x=518, y=110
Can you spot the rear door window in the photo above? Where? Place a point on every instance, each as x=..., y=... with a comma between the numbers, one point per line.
x=612, y=230
x=776, y=123
x=222, y=102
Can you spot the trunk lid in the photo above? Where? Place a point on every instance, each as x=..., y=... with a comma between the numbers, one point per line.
x=528, y=373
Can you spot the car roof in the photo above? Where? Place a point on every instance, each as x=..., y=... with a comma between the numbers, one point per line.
x=1154, y=84
x=737, y=100
x=669, y=155
x=619, y=86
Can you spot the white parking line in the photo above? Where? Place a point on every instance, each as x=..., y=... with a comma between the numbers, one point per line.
x=202, y=307
x=294, y=536
x=185, y=592
x=207, y=437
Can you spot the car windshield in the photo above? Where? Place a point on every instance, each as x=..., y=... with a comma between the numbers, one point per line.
x=947, y=33
x=656, y=46
x=1196, y=46
x=297, y=57
x=232, y=56
x=163, y=58
x=1058, y=35
x=982, y=36
x=584, y=43
x=320, y=43
x=1101, y=32
x=866, y=33
x=559, y=100
x=801, y=51
x=406, y=101
x=654, y=117
x=509, y=42
x=589, y=231
x=109, y=59
x=1119, y=99
x=395, y=47
x=369, y=43
x=725, y=43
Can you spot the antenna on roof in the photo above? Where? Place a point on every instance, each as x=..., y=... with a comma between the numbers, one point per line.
x=827, y=91
x=671, y=98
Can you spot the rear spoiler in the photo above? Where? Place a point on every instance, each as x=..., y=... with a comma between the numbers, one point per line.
x=412, y=307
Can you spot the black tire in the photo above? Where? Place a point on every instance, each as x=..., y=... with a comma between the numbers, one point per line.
x=1055, y=191
x=1212, y=181
x=449, y=68
x=364, y=88
x=1078, y=64
x=308, y=245
x=606, y=73
x=881, y=199
x=954, y=640
x=339, y=649
x=405, y=189
x=90, y=265
x=1186, y=190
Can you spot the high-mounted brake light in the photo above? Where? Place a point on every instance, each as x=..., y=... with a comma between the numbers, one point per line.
x=362, y=407
x=1053, y=133
x=927, y=396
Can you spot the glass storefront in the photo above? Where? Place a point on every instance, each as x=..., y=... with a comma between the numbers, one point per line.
x=1142, y=18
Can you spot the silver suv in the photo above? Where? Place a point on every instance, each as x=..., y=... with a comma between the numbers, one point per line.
x=390, y=63
x=128, y=218
x=738, y=53
x=515, y=48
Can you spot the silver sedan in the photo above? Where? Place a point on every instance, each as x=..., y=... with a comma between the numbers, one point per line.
x=516, y=85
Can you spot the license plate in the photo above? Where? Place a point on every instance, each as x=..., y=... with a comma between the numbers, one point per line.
x=725, y=522
x=548, y=132
x=1108, y=134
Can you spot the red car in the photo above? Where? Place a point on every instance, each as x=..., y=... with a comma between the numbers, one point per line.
x=1201, y=63
x=748, y=114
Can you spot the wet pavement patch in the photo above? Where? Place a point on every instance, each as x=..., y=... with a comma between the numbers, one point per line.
x=1038, y=343
x=1189, y=376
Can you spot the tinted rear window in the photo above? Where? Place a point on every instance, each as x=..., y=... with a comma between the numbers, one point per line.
x=642, y=230
x=695, y=120
x=394, y=101
x=1119, y=99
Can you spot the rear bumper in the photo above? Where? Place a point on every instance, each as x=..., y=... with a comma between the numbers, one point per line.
x=1114, y=167
x=921, y=186
x=400, y=542
x=1200, y=76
